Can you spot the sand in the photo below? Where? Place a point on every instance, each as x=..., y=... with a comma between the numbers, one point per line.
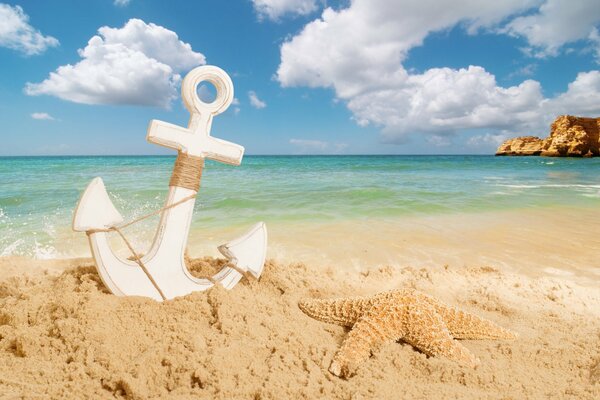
x=62, y=335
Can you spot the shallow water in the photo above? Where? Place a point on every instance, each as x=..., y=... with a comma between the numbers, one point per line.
x=38, y=194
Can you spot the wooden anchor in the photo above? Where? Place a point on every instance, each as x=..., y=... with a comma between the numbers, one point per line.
x=161, y=273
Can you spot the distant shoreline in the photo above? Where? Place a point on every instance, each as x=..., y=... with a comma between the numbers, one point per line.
x=254, y=155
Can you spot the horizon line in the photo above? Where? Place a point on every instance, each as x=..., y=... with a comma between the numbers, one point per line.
x=253, y=155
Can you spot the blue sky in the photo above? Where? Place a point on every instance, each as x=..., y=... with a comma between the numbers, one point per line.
x=310, y=76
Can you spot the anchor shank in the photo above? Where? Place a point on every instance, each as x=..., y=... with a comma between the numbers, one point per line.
x=171, y=237
x=200, y=122
x=185, y=182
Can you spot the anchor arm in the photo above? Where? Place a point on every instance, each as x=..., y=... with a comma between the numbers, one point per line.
x=168, y=135
x=197, y=143
x=223, y=151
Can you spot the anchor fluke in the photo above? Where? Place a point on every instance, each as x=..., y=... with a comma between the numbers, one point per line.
x=95, y=210
x=248, y=251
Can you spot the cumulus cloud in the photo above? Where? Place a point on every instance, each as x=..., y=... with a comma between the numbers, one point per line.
x=443, y=101
x=554, y=24
x=526, y=70
x=439, y=141
x=359, y=52
x=581, y=98
x=595, y=40
x=42, y=116
x=255, y=101
x=309, y=146
x=16, y=33
x=487, y=141
x=364, y=45
x=137, y=64
x=122, y=3
x=275, y=9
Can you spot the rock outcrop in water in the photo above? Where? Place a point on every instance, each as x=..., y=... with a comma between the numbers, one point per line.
x=569, y=137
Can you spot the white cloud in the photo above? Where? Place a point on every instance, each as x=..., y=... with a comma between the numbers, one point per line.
x=526, y=70
x=595, y=40
x=439, y=141
x=236, y=104
x=255, y=101
x=581, y=98
x=487, y=141
x=17, y=34
x=137, y=64
x=363, y=46
x=443, y=101
x=122, y=3
x=43, y=116
x=556, y=23
x=275, y=9
x=308, y=146
x=358, y=52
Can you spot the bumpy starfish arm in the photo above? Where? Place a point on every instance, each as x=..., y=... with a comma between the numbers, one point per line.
x=378, y=325
x=343, y=312
x=464, y=325
x=427, y=332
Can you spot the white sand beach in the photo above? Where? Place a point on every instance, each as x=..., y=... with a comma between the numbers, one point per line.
x=63, y=335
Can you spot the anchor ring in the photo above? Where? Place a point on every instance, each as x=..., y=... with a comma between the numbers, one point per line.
x=218, y=78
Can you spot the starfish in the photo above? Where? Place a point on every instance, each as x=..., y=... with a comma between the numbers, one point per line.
x=406, y=315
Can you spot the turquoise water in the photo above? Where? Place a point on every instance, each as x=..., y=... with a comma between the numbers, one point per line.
x=38, y=194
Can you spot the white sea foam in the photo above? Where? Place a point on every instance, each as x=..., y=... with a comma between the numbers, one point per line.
x=573, y=185
x=44, y=252
x=12, y=248
x=593, y=195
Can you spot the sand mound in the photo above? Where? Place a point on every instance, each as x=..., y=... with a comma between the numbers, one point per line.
x=66, y=336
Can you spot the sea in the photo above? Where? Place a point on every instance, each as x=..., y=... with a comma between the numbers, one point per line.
x=38, y=194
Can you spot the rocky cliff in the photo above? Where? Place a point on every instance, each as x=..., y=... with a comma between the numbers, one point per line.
x=569, y=137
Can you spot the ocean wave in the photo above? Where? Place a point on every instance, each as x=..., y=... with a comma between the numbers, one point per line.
x=36, y=250
x=44, y=251
x=12, y=248
x=592, y=195
x=549, y=185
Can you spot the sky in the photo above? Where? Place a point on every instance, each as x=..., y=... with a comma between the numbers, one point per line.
x=310, y=76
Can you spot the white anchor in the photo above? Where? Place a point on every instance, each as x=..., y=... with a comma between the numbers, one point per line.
x=166, y=274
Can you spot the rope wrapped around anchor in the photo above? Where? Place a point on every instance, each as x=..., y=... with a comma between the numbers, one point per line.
x=187, y=173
